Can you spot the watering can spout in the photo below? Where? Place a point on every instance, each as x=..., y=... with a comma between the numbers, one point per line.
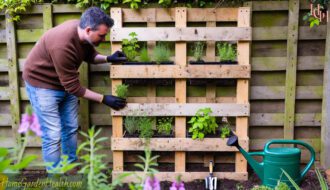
x=257, y=167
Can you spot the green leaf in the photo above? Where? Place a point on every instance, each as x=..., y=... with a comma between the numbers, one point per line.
x=25, y=162
x=201, y=136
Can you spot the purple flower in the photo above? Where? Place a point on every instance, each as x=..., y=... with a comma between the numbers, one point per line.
x=151, y=183
x=177, y=185
x=29, y=121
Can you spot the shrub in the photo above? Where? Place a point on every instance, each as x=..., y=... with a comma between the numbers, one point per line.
x=144, y=56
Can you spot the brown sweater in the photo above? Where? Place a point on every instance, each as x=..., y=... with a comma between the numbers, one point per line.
x=54, y=61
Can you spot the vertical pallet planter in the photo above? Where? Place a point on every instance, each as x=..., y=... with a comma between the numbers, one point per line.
x=180, y=72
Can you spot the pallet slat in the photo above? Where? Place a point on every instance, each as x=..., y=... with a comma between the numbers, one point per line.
x=181, y=109
x=180, y=71
x=176, y=144
x=184, y=34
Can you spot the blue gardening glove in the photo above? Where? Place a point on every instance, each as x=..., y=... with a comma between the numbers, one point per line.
x=118, y=56
x=114, y=102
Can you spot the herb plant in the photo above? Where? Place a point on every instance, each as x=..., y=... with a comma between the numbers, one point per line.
x=144, y=56
x=122, y=90
x=226, y=52
x=145, y=127
x=14, y=7
x=225, y=129
x=131, y=124
x=161, y=53
x=164, y=125
x=130, y=47
x=134, y=4
x=202, y=123
x=198, y=50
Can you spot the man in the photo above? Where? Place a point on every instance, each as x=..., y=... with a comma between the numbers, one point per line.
x=51, y=79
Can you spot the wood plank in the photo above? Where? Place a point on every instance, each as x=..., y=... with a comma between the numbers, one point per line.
x=29, y=35
x=176, y=144
x=13, y=79
x=5, y=120
x=281, y=33
x=256, y=119
x=257, y=93
x=47, y=17
x=66, y=8
x=258, y=144
x=186, y=176
x=182, y=109
x=184, y=34
x=279, y=63
x=84, y=103
x=278, y=92
x=180, y=71
x=325, y=129
x=2, y=36
x=242, y=91
x=291, y=69
x=168, y=15
x=277, y=119
x=180, y=87
x=117, y=122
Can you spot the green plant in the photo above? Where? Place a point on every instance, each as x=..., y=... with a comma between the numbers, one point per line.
x=14, y=7
x=103, y=4
x=161, y=53
x=7, y=160
x=323, y=183
x=63, y=167
x=144, y=56
x=165, y=3
x=295, y=185
x=225, y=129
x=282, y=186
x=93, y=164
x=149, y=162
x=130, y=47
x=164, y=125
x=202, y=123
x=198, y=50
x=261, y=187
x=145, y=127
x=131, y=124
x=134, y=4
x=122, y=90
x=226, y=51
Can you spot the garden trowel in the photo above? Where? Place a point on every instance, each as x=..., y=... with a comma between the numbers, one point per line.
x=210, y=181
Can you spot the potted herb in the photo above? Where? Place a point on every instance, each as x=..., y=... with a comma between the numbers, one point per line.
x=144, y=56
x=145, y=127
x=164, y=126
x=131, y=125
x=225, y=129
x=122, y=90
x=162, y=54
x=198, y=51
x=130, y=48
x=227, y=53
x=202, y=124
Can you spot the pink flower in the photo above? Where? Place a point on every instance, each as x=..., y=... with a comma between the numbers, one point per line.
x=151, y=183
x=177, y=185
x=29, y=121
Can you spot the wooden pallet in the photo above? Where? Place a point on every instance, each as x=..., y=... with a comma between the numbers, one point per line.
x=179, y=108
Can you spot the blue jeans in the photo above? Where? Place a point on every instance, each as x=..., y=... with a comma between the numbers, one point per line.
x=57, y=112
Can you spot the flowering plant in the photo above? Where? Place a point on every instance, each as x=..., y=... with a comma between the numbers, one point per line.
x=177, y=184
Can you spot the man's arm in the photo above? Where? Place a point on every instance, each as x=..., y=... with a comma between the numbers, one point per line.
x=118, y=56
x=100, y=59
x=94, y=96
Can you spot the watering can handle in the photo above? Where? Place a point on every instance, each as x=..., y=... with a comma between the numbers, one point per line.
x=309, y=147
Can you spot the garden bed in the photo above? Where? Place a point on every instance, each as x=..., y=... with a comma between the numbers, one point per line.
x=310, y=181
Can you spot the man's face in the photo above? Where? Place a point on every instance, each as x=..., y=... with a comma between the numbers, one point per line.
x=97, y=36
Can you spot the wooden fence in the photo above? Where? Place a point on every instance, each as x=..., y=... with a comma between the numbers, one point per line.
x=289, y=82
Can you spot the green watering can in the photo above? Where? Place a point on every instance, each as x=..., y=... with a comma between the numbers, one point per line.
x=275, y=159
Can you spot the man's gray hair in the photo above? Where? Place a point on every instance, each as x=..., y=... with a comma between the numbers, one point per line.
x=93, y=17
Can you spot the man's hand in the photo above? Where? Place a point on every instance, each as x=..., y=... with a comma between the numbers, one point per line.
x=114, y=102
x=118, y=56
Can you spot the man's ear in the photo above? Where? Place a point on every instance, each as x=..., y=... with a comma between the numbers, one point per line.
x=88, y=29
